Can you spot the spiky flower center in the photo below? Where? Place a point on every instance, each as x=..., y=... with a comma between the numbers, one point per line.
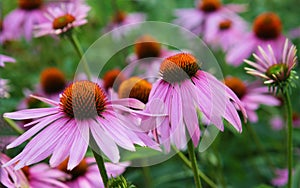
x=52, y=80
x=278, y=72
x=135, y=87
x=26, y=171
x=83, y=100
x=30, y=4
x=267, y=26
x=147, y=46
x=225, y=25
x=78, y=171
x=119, y=17
x=236, y=85
x=179, y=67
x=209, y=5
x=113, y=79
x=63, y=21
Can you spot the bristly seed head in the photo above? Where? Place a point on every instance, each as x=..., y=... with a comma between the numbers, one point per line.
x=83, y=100
x=113, y=79
x=278, y=72
x=225, y=25
x=63, y=21
x=135, y=87
x=147, y=46
x=179, y=67
x=52, y=80
x=267, y=26
x=119, y=17
x=78, y=171
x=236, y=85
x=209, y=5
x=30, y=4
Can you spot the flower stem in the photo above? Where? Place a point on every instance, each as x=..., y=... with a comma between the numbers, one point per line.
x=14, y=126
x=188, y=164
x=75, y=43
x=100, y=163
x=289, y=136
x=194, y=164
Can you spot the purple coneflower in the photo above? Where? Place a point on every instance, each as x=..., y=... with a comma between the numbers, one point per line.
x=63, y=130
x=21, y=21
x=281, y=178
x=122, y=18
x=251, y=96
x=182, y=90
x=6, y=59
x=62, y=19
x=9, y=177
x=276, y=71
x=200, y=20
x=86, y=173
x=267, y=30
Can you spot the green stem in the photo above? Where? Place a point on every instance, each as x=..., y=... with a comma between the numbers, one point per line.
x=14, y=126
x=194, y=164
x=260, y=146
x=100, y=163
x=189, y=165
x=147, y=176
x=75, y=43
x=289, y=137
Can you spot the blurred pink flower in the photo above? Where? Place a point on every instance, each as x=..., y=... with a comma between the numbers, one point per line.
x=21, y=21
x=120, y=19
x=64, y=129
x=251, y=95
x=182, y=89
x=274, y=70
x=277, y=123
x=205, y=17
x=62, y=19
x=4, y=88
x=6, y=59
x=9, y=177
x=281, y=178
x=87, y=174
x=267, y=30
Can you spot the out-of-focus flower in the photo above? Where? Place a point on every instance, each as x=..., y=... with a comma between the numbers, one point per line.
x=267, y=30
x=122, y=18
x=9, y=177
x=204, y=18
x=277, y=72
x=182, y=90
x=64, y=129
x=87, y=174
x=281, y=178
x=6, y=59
x=251, y=95
x=62, y=18
x=4, y=88
x=277, y=123
x=21, y=21
x=147, y=57
x=112, y=79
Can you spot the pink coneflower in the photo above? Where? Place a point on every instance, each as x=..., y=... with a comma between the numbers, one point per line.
x=62, y=19
x=267, y=30
x=9, y=177
x=147, y=56
x=225, y=32
x=63, y=130
x=277, y=123
x=199, y=20
x=251, y=96
x=122, y=18
x=4, y=88
x=22, y=20
x=184, y=88
x=113, y=79
x=87, y=174
x=6, y=59
x=281, y=178
x=276, y=71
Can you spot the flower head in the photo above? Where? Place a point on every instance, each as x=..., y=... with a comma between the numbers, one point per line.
x=281, y=178
x=277, y=72
x=184, y=88
x=113, y=79
x=64, y=129
x=62, y=19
